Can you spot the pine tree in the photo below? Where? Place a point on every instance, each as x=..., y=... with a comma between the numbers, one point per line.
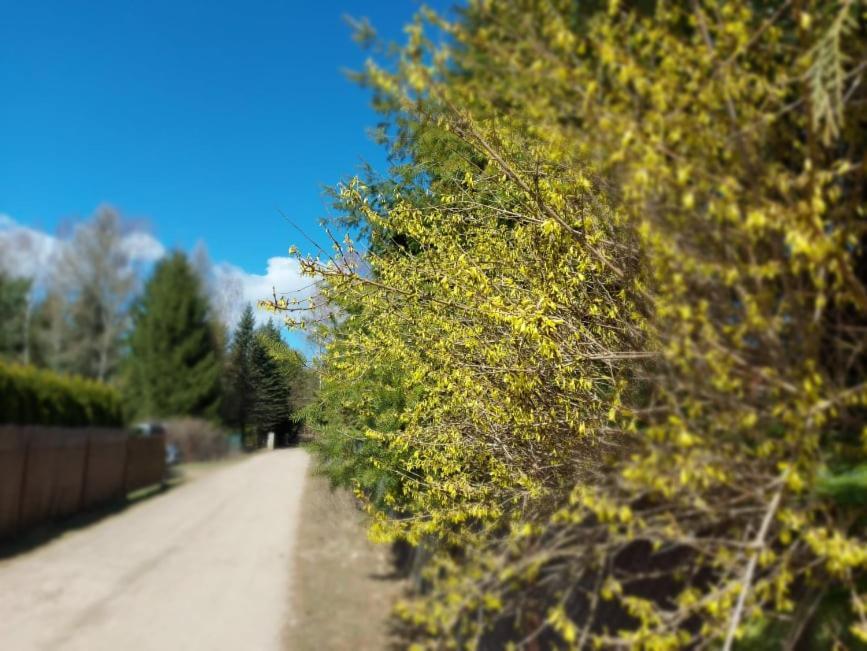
x=270, y=410
x=174, y=365
x=240, y=395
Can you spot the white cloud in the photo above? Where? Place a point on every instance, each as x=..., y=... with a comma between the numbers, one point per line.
x=31, y=253
x=235, y=287
x=26, y=252
x=143, y=247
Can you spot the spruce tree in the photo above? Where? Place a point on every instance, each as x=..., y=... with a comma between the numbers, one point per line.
x=174, y=364
x=240, y=394
x=270, y=409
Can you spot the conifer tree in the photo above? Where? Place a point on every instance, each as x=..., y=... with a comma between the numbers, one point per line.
x=174, y=366
x=270, y=409
x=240, y=395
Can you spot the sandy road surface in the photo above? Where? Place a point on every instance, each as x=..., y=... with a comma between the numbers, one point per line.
x=206, y=566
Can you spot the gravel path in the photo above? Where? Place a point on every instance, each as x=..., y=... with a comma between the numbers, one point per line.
x=205, y=566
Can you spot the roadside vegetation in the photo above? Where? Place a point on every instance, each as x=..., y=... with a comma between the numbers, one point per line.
x=596, y=348
x=30, y=396
x=102, y=340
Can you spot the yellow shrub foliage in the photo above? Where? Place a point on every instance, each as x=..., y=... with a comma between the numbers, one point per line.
x=633, y=310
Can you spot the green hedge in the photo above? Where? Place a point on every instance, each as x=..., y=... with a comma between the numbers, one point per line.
x=32, y=396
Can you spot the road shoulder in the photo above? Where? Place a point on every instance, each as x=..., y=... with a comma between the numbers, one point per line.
x=344, y=585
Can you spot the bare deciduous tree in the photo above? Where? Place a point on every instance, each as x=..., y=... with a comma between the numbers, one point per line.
x=95, y=273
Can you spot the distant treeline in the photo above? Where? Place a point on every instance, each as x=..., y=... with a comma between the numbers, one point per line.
x=159, y=344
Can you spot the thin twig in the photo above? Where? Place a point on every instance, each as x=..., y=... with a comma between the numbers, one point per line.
x=758, y=544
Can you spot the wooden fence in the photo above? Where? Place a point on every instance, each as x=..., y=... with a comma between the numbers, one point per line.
x=51, y=472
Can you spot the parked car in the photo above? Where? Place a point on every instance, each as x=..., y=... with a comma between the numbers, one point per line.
x=148, y=429
x=173, y=454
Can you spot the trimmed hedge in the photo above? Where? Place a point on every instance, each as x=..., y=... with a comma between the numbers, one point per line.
x=32, y=396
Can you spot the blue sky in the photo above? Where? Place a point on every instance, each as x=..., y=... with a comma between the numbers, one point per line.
x=200, y=117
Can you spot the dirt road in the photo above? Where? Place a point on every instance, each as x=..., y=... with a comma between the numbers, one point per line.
x=205, y=566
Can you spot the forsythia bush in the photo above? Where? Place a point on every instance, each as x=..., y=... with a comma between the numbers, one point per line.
x=31, y=396
x=619, y=284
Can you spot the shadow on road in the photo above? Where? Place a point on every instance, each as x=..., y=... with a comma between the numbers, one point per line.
x=45, y=533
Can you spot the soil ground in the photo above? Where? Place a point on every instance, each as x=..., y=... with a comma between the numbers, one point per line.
x=345, y=586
